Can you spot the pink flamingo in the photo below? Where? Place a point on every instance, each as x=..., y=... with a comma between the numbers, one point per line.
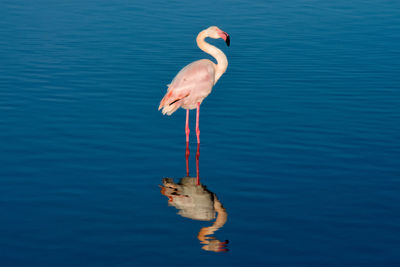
x=195, y=81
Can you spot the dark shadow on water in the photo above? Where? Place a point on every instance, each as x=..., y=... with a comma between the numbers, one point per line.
x=195, y=201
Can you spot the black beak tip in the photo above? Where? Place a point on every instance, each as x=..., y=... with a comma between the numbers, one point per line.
x=228, y=40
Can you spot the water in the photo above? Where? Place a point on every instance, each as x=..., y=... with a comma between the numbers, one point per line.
x=300, y=137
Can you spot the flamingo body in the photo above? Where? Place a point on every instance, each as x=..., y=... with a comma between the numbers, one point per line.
x=195, y=81
x=189, y=87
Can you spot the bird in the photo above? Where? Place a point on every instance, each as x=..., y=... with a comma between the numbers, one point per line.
x=195, y=81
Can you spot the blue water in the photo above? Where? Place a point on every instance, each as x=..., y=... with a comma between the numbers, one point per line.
x=300, y=137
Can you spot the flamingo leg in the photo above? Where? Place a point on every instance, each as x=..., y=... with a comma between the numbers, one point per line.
x=197, y=164
x=187, y=130
x=187, y=153
x=197, y=123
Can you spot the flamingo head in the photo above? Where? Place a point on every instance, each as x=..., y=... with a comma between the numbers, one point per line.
x=215, y=33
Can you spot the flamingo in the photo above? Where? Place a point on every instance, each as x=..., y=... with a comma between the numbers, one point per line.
x=195, y=81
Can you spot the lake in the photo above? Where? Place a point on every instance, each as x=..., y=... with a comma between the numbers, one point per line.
x=299, y=163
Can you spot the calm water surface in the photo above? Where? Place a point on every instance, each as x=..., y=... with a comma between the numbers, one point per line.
x=300, y=153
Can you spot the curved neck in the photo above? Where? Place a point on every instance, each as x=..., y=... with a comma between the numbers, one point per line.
x=222, y=61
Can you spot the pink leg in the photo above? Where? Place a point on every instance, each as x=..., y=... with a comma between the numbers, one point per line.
x=197, y=164
x=197, y=123
x=187, y=159
x=187, y=126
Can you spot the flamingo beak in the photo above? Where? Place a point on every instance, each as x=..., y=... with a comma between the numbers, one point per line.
x=226, y=37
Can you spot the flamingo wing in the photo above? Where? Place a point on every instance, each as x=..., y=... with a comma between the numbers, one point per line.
x=190, y=86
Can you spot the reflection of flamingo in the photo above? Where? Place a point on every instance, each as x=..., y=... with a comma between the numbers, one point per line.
x=198, y=203
x=195, y=201
x=195, y=81
x=211, y=243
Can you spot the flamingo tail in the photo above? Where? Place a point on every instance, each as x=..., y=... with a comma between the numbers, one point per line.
x=171, y=102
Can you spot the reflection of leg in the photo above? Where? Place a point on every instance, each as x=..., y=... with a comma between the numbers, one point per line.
x=187, y=126
x=187, y=153
x=197, y=123
x=197, y=163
